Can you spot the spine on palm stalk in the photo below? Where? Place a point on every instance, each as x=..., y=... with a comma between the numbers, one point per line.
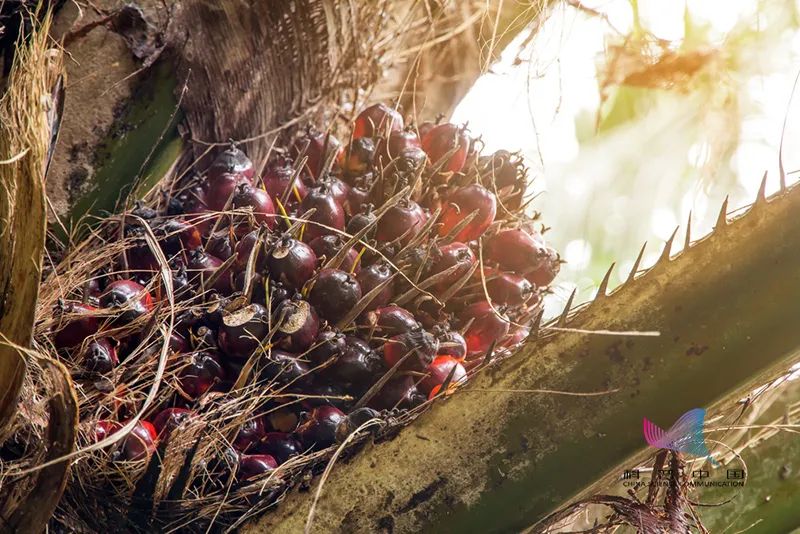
x=228, y=333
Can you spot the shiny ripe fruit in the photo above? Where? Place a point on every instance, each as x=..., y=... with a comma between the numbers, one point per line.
x=378, y=119
x=451, y=255
x=221, y=190
x=244, y=248
x=280, y=445
x=76, y=322
x=442, y=140
x=319, y=431
x=255, y=465
x=339, y=189
x=278, y=177
x=140, y=442
x=516, y=250
x=359, y=156
x=177, y=234
x=438, y=371
x=320, y=145
x=328, y=212
x=220, y=245
x=392, y=320
x=202, y=371
x=166, y=421
x=285, y=368
x=357, y=198
x=260, y=202
x=250, y=434
x=354, y=420
x=105, y=428
x=461, y=204
x=203, y=266
x=329, y=246
x=424, y=128
x=329, y=344
x=451, y=343
x=299, y=325
x=398, y=143
x=517, y=335
x=419, y=348
x=361, y=220
x=357, y=366
x=487, y=327
x=544, y=275
x=101, y=356
x=371, y=277
x=232, y=160
x=241, y=332
x=334, y=294
x=292, y=262
x=509, y=288
x=129, y=297
x=399, y=392
x=404, y=220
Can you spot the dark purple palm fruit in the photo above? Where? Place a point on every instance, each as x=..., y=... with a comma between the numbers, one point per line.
x=353, y=422
x=516, y=250
x=203, y=338
x=259, y=291
x=326, y=393
x=221, y=190
x=449, y=256
x=329, y=344
x=461, y=204
x=399, y=392
x=328, y=212
x=361, y=220
x=389, y=321
x=250, y=434
x=339, y=189
x=359, y=156
x=285, y=368
x=232, y=161
x=244, y=248
x=509, y=288
x=280, y=445
x=359, y=193
x=451, y=343
x=319, y=430
x=101, y=356
x=329, y=246
x=255, y=465
x=194, y=200
x=503, y=168
x=138, y=444
x=419, y=348
x=130, y=298
x=203, y=266
x=334, y=294
x=357, y=366
x=403, y=220
x=177, y=343
x=220, y=244
x=320, y=148
x=292, y=262
x=75, y=322
x=278, y=177
x=175, y=235
x=488, y=326
x=259, y=201
x=241, y=332
x=168, y=420
x=371, y=277
x=544, y=275
x=278, y=292
x=298, y=325
x=181, y=286
x=203, y=370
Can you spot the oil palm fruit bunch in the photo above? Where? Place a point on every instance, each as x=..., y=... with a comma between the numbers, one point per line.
x=341, y=282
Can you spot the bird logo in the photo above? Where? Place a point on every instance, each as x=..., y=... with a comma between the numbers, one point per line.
x=686, y=435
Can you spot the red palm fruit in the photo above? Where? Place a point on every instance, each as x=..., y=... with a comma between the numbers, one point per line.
x=259, y=200
x=487, y=327
x=378, y=119
x=441, y=140
x=329, y=246
x=328, y=212
x=232, y=160
x=255, y=465
x=292, y=262
x=299, y=327
x=280, y=445
x=129, y=297
x=464, y=202
x=240, y=333
x=221, y=190
x=451, y=255
x=399, y=392
x=339, y=189
x=451, y=343
x=101, y=356
x=544, y=275
x=329, y=344
x=76, y=322
x=361, y=220
x=419, y=348
x=334, y=294
x=357, y=365
x=140, y=442
x=278, y=177
x=392, y=320
x=397, y=143
x=250, y=434
x=203, y=369
x=371, y=277
x=177, y=343
x=244, y=248
x=359, y=156
x=438, y=371
x=169, y=419
x=320, y=145
x=203, y=266
x=357, y=198
x=516, y=250
x=405, y=219
x=220, y=245
x=509, y=288
x=319, y=430
x=104, y=428
x=424, y=128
